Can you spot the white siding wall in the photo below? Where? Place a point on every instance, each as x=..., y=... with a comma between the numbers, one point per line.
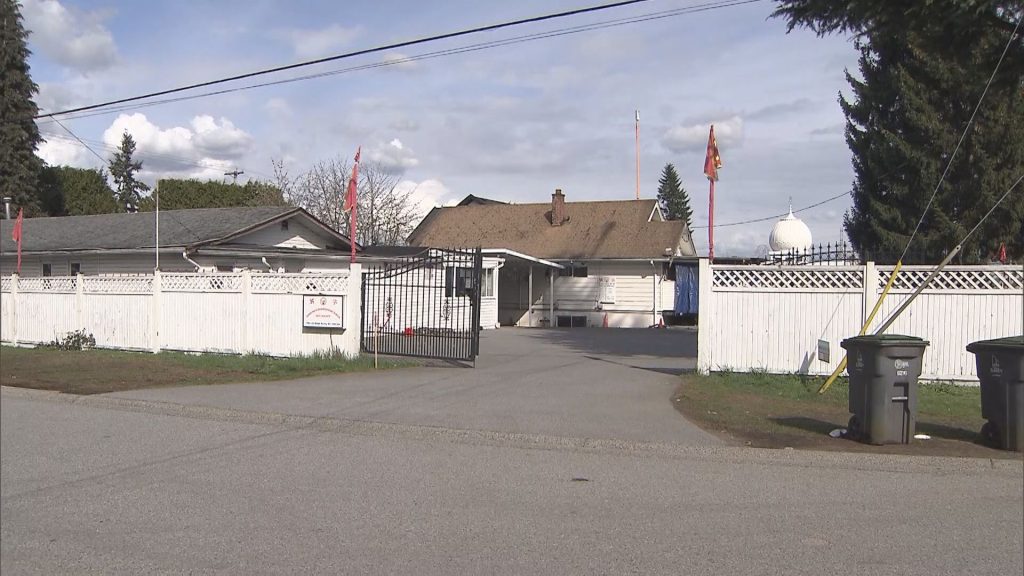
x=770, y=318
x=641, y=294
x=298, y=235
x=234, y=313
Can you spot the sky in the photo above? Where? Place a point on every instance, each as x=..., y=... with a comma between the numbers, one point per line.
x=511, y=123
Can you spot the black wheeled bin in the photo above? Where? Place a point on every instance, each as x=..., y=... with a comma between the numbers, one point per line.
x=883, y=387
x=1001, y=373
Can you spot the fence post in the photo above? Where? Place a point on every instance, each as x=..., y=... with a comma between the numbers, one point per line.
x=15, y=279
x=246, y=292
x=80, y=302
x=154, y=319
x=870, y=289
x=353, y=310
x=705, y=316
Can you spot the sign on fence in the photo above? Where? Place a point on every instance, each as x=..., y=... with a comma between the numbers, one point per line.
x=323, y=311
x=823, y=351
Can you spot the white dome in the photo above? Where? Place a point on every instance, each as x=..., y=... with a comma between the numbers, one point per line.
x=790, y=233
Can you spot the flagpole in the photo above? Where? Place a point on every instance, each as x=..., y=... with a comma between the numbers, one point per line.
x=637, y=154
x=711, y=221
x=156, y=193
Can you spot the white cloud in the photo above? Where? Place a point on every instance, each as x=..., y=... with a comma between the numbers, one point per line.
x=693, y=136
x=73, y=38
x=317, y=43
x=223, y=139
x=205, y=150
x=393, y=157
x=405, y=125
x=278, y=107
x=399, y=60
x=62, y=152
x=426, y=195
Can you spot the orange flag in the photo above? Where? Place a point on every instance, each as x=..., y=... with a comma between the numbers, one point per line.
x=712, y=161
x=16, y=234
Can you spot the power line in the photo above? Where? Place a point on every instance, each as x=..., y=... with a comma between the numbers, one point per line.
x=967, y=129
x=145, y=155
x=68, y=130
x=766, y=218
x=534, y=19
x=428, y=55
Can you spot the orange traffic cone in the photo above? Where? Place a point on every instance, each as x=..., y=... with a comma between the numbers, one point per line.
x=661, y=322
x=604, y=324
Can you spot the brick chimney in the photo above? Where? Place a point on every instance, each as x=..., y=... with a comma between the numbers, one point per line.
x=558, y=215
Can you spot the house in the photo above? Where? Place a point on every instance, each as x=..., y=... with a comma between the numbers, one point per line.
x=265, y=238
x=605, y=263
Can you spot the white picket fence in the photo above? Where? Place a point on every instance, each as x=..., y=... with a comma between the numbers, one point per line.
x=230, y=313
x=770, y=318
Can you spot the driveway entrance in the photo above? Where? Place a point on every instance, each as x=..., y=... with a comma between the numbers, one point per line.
x=582, y=383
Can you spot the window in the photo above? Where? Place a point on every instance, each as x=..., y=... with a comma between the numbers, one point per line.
x=47, y=270
x=76, y=268
x=225, y=268
x=574, y=271
x=284, y=225
x=487, y=283
x=458, y=282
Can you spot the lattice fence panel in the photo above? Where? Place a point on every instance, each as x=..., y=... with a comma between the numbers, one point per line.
x=299, y=284
x=817, y=278
x=201, y=282
x=6, y=284
x=56, y=284
x=117, y=284
x=957, y=279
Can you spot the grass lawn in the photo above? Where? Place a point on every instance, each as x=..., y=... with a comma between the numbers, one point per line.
x=100, y=371
x=778, y=411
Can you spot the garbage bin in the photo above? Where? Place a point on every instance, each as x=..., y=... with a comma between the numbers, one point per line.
x=1001, y=372
x=883, y=387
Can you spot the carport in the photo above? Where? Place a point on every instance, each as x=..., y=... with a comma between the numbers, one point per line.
x=522, y=298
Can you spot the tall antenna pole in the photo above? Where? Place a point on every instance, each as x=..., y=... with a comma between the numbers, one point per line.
x=637, y=154
x=234, y=175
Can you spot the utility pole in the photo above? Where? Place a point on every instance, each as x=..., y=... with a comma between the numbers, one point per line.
x=234, y=175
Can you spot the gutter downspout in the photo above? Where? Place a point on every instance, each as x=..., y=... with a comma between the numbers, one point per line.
x=190, y=261
x=267, y=264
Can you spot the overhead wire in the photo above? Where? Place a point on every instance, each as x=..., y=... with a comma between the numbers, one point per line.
x=352, y=54
x=109, y=108
x=967, y=128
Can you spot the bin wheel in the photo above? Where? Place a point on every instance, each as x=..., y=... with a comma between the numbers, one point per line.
x=990, y=433
x=853, y=430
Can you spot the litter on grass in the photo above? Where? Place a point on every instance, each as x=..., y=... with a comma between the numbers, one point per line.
x=922, y=437
x=838, y=433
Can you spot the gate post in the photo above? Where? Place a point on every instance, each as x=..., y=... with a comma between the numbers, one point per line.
x=15, y=279
x=478, y=265
x=155, y=312
x=705, y=316
x=354, y=310
x=79, y=302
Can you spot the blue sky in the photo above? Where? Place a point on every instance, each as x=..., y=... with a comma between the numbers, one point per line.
x=511, y=123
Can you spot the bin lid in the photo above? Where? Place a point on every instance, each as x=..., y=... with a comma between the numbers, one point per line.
x=1008, y=344
x=885, y=340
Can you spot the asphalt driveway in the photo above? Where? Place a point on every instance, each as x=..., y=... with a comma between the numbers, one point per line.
x=581, y=383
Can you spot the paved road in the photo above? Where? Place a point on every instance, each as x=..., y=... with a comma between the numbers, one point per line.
x=579, y=383
x=115, y=486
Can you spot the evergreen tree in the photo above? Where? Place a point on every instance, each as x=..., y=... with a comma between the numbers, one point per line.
x=178, y=194
x=68, y=191
x=19, y=136
x=123, y=170
x=672, y=197
x=917, y=91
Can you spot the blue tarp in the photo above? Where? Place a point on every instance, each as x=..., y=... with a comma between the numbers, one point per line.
x=686, y=289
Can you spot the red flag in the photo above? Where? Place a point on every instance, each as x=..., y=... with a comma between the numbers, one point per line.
x=351, y=204
x=712, y=161
x=16, y=234
x=350, y=195
x=1002, y=252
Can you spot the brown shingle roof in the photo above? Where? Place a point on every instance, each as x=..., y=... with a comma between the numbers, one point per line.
x=611, y=229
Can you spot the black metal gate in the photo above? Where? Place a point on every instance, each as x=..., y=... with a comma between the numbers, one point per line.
x=427, y=306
